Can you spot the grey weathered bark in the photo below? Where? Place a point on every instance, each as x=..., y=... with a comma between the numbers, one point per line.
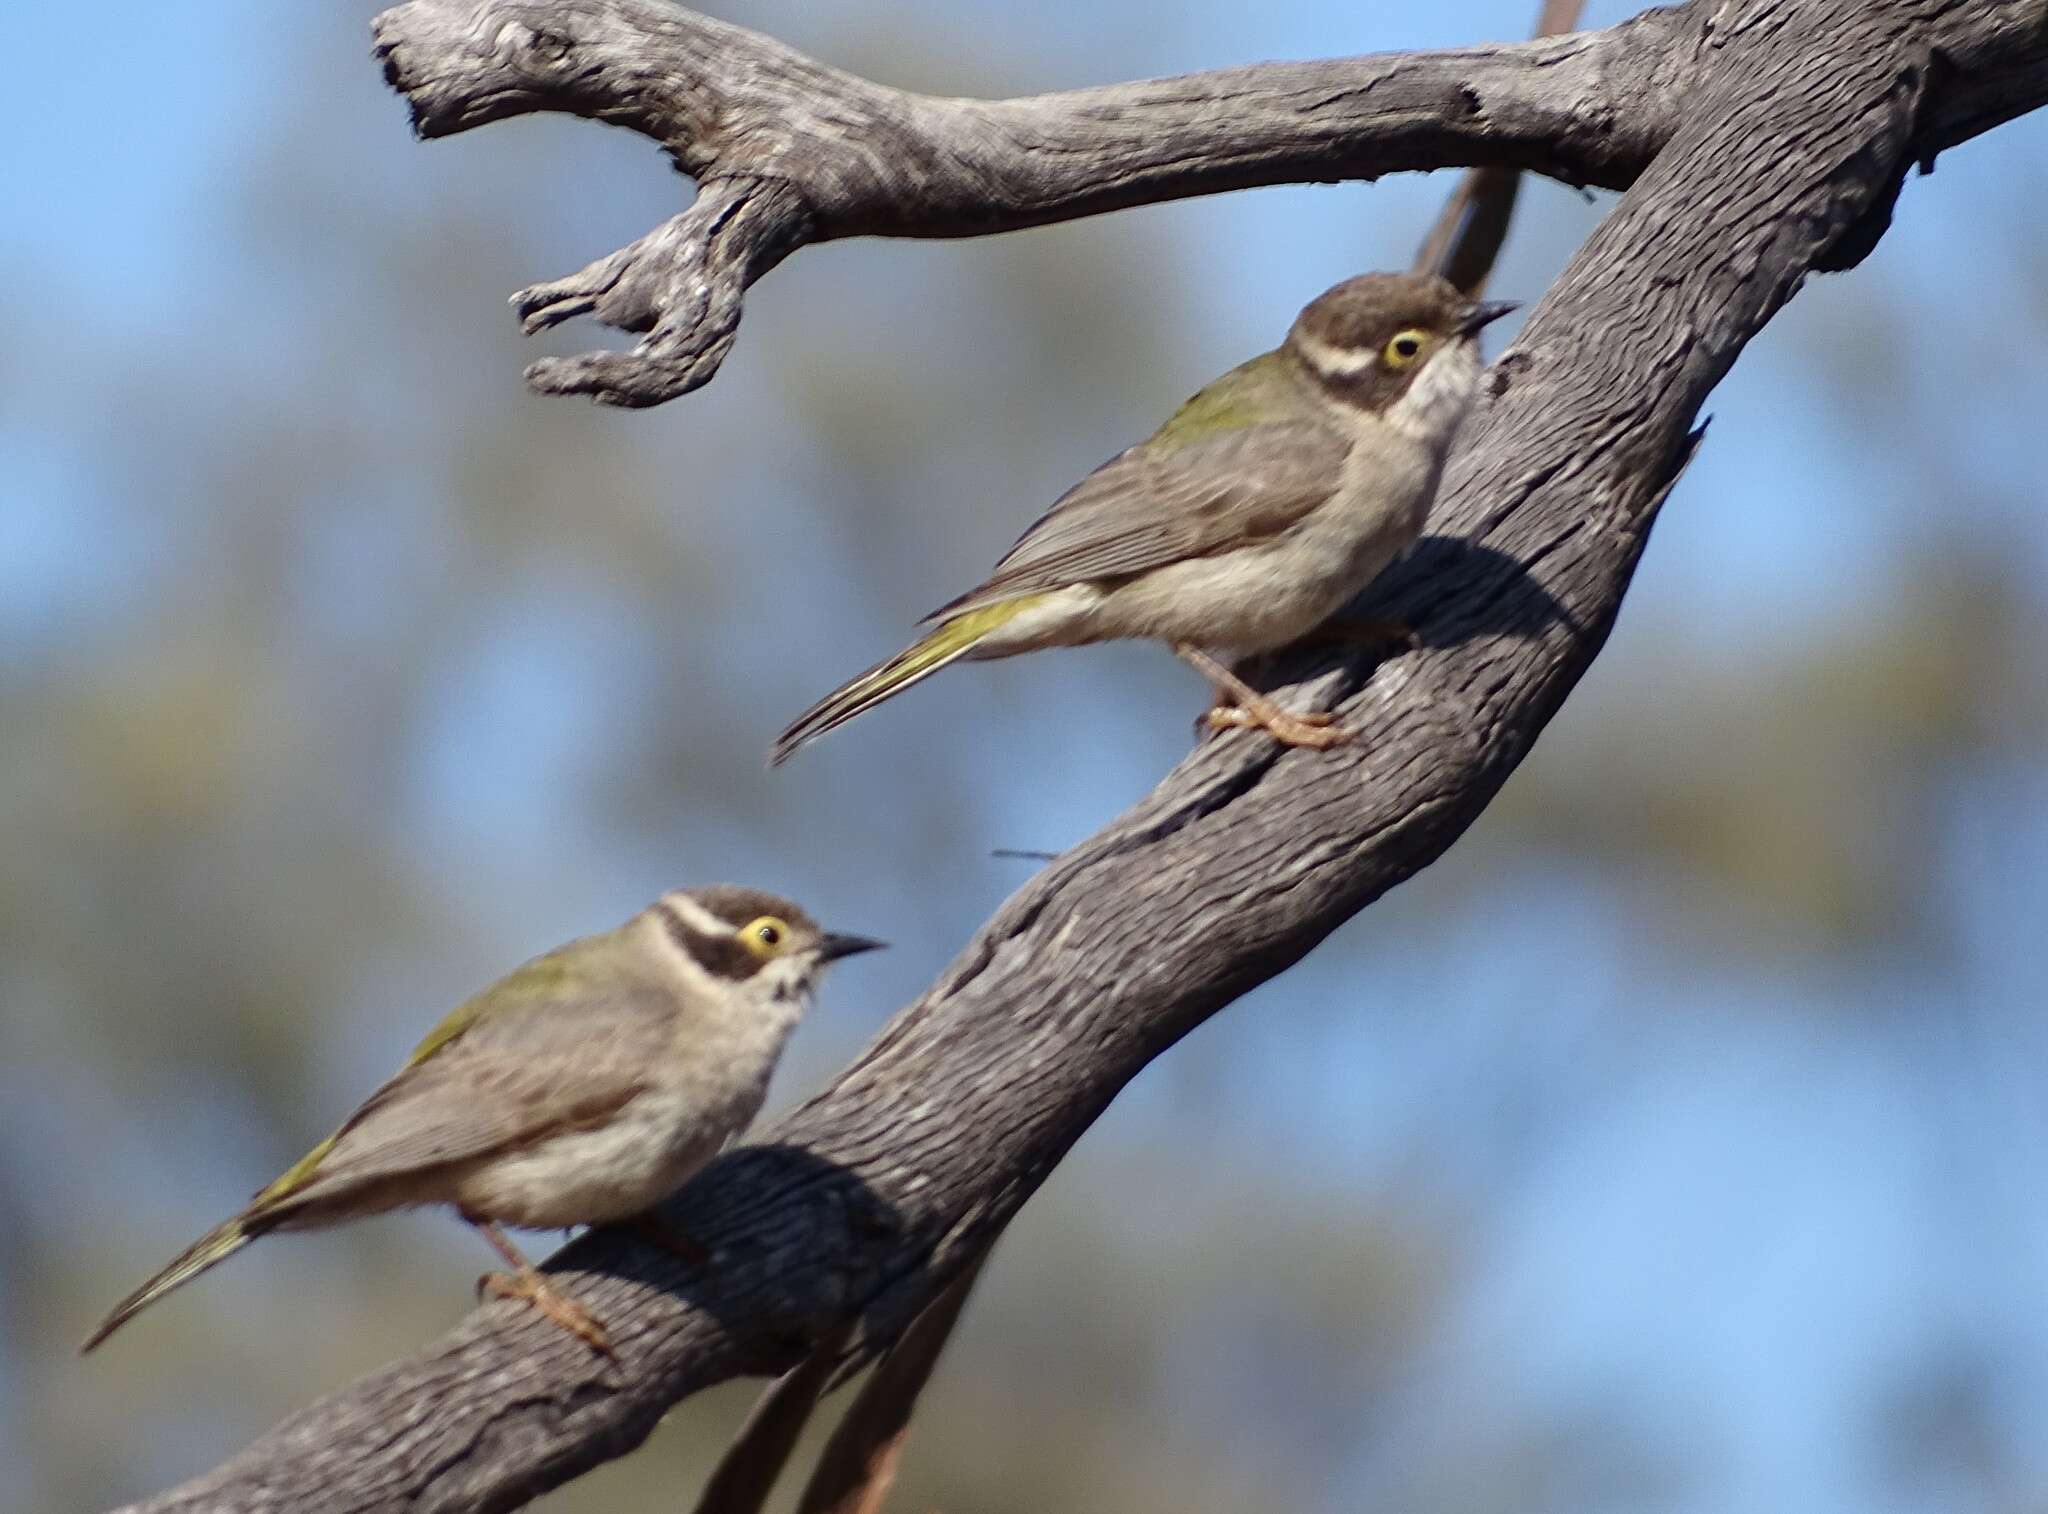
x=1473, y=226
x=1764, y=139
x=746, y=1474
x=788, y=151
x=858, y=1465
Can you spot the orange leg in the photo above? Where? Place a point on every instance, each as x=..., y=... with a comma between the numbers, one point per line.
x=525, y=1281
x=1238, y=704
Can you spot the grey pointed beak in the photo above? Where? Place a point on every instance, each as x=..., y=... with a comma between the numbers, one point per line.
x=1485, y=313
x=833, y=945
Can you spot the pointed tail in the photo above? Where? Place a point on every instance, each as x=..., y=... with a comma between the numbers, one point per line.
x=953, y=639
x=217, y=1245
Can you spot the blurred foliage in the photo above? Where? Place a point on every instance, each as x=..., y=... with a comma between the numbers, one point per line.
x=1799, y=790
x=1671, y=1144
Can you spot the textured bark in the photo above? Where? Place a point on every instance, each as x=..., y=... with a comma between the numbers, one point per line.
x=1469, y=234
x=747, y=1472
x=858, y=1465
x=1782, y=129
x=788, y=151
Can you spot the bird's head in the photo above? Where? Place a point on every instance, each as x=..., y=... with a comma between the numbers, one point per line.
x=754, y=945
x=1401, y=346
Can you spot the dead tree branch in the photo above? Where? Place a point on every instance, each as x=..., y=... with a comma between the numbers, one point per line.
x=788, y=151
x=1782, y=132
x=858, y=1466
x=1461, y=247
x=1473, y=225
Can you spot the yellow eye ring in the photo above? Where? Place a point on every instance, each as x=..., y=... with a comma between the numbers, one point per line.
x=1404, y=349
x=764, y=936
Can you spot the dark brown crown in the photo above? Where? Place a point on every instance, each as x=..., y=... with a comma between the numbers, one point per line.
x=1365, y=313
x=736, y=906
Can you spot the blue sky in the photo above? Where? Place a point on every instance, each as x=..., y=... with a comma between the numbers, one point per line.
x=1723, y=1190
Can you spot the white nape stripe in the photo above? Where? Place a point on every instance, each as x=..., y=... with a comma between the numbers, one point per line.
x=1334, y=362
x=696, y=916
x=685, y=966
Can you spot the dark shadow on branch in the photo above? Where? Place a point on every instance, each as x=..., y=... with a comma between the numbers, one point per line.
x=865, y=1203
x=1451, y=590
x=842, y=1211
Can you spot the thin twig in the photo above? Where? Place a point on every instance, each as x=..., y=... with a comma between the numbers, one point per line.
x=859, y=1462
x=1467, y=237
x=746, y=1474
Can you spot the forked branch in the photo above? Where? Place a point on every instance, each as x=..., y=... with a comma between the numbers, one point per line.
x=1781, y=155
x=788, y=151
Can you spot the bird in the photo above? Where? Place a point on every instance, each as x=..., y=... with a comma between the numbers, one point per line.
x=581, y=1088
x=1268, y=501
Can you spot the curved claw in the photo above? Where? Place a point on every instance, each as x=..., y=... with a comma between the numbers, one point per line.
x=532, y=1288
x=1318, y=729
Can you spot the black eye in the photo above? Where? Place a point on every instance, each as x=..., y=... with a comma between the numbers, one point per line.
x=1406, y=346
x=767, y=934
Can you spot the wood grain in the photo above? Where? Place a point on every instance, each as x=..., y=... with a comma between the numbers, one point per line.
x=1764, y=140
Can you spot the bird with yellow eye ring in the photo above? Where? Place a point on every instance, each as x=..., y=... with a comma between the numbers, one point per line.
x=1269, y=500
x=580, y=1089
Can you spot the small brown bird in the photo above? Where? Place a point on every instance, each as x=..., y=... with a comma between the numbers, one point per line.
x=1266, y=503
x=579, y=1090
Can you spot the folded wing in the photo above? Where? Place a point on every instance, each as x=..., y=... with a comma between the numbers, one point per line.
x=1157, y=504
x=498, y=1086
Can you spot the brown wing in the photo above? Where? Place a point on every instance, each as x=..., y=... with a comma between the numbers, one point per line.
x=531, y=1069
x=1165, y=502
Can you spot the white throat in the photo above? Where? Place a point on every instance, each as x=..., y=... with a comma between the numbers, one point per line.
x=1430, y=409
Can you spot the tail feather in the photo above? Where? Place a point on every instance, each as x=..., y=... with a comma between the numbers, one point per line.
x=218, y=1244
x=953, y=639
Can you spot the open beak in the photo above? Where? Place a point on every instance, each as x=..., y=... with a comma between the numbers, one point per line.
x=832, y=946
x=1484, y=313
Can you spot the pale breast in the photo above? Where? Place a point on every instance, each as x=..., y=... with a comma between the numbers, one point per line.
x=1262, y=597
x=640, y=1156
x=697, y=1099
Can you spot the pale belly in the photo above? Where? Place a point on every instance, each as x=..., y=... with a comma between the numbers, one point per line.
x=592, y=1177
x=1262, y=598
x=1255, y=599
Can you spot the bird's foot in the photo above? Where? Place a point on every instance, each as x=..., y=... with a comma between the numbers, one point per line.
x=536, y=1290
x=1317, y=730
x=1239, y=705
